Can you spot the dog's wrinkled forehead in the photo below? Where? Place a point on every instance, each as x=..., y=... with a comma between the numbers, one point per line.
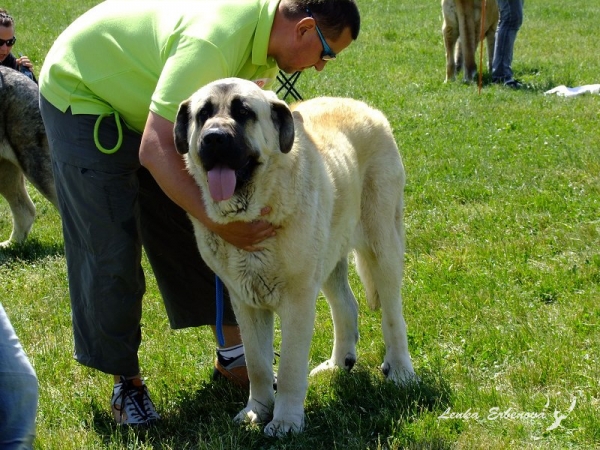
x=230, y=97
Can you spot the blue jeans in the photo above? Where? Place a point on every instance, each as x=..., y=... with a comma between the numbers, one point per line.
x=18, y=391
x=511, y=18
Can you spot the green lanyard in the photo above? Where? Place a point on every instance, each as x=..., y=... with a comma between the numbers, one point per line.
x=119, y=129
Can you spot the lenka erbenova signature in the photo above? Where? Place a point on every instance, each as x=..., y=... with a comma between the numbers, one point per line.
x=496, y=413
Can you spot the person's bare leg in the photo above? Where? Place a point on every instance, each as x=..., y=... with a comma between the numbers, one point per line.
x=230, y=361
x=231, y=333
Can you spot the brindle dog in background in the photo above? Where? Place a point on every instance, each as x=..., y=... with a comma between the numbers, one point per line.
x=24, y=151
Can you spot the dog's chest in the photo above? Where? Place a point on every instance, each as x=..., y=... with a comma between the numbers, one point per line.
x=253, y=278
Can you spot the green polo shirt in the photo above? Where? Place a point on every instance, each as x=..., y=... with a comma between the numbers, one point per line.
x=139, y=56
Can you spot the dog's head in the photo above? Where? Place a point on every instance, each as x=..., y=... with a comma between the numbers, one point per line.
x=227, y=130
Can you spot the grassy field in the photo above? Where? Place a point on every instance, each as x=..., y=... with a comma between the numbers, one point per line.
x=502, y=275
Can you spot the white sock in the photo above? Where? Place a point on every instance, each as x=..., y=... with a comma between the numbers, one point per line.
x=229, y=354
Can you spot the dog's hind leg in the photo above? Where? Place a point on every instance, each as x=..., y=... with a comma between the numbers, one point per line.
x=37, y=168
x=380, y=268
x=380, y=254
x=344, y=312
x=450, y=33
x=490, y=39
x=12, y=188
x=491, y=25
x=468, y=37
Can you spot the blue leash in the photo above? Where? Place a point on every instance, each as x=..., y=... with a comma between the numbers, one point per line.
x=219, y=324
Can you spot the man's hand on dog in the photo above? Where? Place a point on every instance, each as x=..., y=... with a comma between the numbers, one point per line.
x=246, y=235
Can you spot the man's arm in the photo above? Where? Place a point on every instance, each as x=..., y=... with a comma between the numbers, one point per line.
x=159, y=156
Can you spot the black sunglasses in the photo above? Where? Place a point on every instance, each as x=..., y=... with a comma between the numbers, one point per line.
x=9, y=42
x=327, y=54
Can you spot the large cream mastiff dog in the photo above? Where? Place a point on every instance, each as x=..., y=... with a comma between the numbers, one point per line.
x=331, y=172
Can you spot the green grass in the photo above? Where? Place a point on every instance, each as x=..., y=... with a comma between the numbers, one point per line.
x=502, y=274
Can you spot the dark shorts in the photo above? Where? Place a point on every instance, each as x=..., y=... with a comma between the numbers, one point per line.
x=111, y=207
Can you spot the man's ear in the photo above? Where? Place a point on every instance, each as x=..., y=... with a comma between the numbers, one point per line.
x=303, y=25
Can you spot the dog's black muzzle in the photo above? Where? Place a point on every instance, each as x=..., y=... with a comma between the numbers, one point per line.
x=222, y=146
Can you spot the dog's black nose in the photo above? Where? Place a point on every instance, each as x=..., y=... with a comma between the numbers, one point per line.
x=216, y=138
x=216, y=147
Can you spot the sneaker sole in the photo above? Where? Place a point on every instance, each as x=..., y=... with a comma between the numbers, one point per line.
x=236, y=375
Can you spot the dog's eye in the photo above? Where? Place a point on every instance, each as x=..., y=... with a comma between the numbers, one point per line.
x=241, y=110
x=205, y=112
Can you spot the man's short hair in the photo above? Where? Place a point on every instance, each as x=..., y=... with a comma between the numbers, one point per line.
x=332, y=16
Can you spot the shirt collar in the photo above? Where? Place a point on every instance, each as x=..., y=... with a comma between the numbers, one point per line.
x=263, y=33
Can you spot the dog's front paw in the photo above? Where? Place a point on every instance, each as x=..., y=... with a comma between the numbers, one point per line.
x=347, y=364
x=324, y=366
x=279, y=428
x=399, y=374
x=253, y=413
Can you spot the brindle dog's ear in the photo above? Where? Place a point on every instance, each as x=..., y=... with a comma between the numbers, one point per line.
x=182, y=124
x=284, y=124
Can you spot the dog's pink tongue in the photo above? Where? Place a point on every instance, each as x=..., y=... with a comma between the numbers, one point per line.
x=221, y=183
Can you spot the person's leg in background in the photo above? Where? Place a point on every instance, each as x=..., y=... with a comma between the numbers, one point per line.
x=511, y=18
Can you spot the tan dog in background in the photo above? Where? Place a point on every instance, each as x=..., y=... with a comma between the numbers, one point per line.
x=462, y=29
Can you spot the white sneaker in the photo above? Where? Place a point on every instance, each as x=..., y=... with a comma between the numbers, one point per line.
x=131, y=403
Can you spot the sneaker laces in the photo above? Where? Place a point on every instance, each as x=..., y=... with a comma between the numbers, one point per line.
x=131, y=403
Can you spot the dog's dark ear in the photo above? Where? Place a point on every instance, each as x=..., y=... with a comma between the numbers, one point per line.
x=180, y=131
x=284, y=123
